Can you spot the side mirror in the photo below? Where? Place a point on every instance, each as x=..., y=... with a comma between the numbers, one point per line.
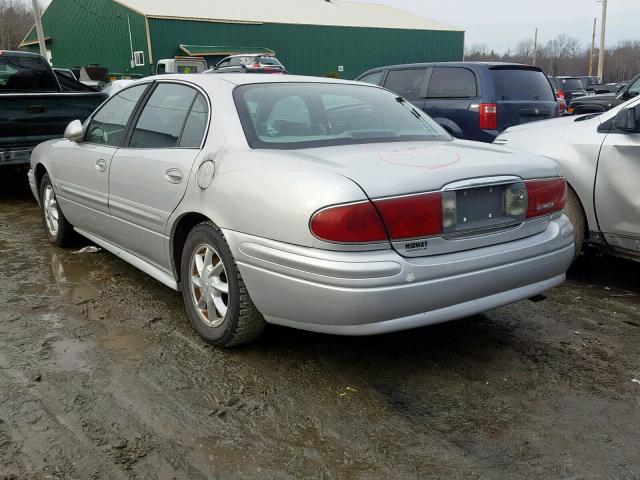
x=74, y=131
x=627, y=120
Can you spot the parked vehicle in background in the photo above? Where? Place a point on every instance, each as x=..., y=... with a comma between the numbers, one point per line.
x=600, y=157
x=249, y=63
x=606, y=101
x=568, y=87
x=319, y=204
x=181, y=65
x=66, y=72
x=472, y=100
x=562, y=105
x=589, y=83
x=36, y=105
x=114, y=87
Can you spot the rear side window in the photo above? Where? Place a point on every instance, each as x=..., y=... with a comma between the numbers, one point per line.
x=25, y=74
x=163, y=117
x=373, y=78
x=409, y=83
x=450, y=82
x=522, y=84
x=194, y=129
x=109, y=125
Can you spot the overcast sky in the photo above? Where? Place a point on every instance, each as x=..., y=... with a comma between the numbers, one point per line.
x=501, y=23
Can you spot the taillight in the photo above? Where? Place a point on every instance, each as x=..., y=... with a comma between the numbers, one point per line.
x=256, y=65
x=488, y=116
x=415, y=216
x=560, y=94
x=546, y=196
x=351, y=223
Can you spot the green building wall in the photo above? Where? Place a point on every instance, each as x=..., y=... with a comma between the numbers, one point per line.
x=85, y=32
x=310, y=49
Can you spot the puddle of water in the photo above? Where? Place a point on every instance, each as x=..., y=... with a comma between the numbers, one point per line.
x=71, y=355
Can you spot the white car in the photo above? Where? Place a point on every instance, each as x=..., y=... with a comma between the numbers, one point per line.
x=600, y=157
x=114, y=87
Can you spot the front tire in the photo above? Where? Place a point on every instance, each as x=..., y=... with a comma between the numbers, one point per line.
x=215, y=296
x=59, y=231
x=573, y=210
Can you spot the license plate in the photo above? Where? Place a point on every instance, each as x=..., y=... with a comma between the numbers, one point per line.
x=15, y=156
x=484, y=208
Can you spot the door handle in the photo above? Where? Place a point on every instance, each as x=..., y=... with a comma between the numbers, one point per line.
x=101, y=165
x=173, y=175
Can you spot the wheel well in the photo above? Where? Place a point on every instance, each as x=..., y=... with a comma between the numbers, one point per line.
x=39, y=173
x=584, y=215
x=180, y=233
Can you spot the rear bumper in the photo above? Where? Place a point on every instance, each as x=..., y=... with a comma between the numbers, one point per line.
x=15, y=156
x=365, y=293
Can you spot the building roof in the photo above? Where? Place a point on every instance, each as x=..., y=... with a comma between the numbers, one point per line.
x=300, y=12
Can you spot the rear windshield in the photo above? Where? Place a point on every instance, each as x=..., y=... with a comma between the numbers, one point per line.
x=25, y=74
x=570, y=84
x=268, y=61
x=306, y=115
x=522, y=84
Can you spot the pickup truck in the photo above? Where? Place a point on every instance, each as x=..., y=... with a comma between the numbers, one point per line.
x=36, y=105
x=605, y=101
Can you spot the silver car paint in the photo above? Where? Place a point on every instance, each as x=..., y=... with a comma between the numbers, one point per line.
x=268, y=198
x=602, y=168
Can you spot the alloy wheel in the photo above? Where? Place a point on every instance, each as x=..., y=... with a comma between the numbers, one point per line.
x=209, y=285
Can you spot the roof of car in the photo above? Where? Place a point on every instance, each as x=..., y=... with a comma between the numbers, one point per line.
x=247, y=78
x=13, y=53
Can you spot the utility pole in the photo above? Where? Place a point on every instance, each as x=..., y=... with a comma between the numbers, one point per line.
x=38, y=20
x=593, y=46
x=603, y=31
x=535, y=48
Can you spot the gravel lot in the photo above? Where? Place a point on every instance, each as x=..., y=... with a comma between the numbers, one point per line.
x=102, y=376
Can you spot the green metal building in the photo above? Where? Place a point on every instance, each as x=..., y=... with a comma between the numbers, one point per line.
x=310, y=37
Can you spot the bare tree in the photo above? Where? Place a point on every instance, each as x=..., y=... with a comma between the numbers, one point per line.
x=524, y=51
x=16, y=20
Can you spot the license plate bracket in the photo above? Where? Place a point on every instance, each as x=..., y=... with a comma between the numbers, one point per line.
x=482, y=208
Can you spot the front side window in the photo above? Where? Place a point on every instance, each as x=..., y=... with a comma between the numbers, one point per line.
x=450, y=82
x=307, y=115
x=109, y=125
x=409, y=83
x=634, y=89
x=164, y=117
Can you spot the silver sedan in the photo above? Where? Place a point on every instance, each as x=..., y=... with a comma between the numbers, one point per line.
x=324, y=205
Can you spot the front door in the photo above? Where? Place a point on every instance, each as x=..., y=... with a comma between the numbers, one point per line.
x=617, y=192
x=149, y=175
x=82, y=169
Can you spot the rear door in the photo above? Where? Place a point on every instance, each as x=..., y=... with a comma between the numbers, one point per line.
x=149, y=176
x=523, y=95
x=451, y=94
x=617, y=196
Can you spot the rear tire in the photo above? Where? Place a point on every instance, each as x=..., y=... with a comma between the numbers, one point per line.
x=573, y=210
x=59, y=231
x=215, y=296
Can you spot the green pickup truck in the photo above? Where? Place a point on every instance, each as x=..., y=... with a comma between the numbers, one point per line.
x=36, y=105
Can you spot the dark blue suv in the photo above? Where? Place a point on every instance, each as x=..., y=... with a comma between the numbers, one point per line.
x=472, y=100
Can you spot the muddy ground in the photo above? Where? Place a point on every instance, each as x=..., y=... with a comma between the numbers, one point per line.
x=102, y=376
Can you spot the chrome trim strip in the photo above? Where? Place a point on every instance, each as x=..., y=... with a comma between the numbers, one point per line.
x=482, y=182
